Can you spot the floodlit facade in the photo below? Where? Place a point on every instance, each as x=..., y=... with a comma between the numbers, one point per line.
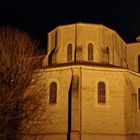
x=93, y=84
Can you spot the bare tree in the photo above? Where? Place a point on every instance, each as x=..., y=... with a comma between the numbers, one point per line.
x=19, y=57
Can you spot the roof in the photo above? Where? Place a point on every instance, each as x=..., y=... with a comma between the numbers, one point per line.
x=82, y=63
x=91, y=64
x=133, y=44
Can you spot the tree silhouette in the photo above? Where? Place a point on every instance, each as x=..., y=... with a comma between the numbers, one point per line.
x=19, y=58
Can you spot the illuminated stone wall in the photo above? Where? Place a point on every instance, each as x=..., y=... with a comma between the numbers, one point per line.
x=77, y=112
x=117, y=119
x=133, y=50
x=80, y=35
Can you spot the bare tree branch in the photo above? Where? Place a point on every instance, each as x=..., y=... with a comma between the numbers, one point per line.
x=19, y=57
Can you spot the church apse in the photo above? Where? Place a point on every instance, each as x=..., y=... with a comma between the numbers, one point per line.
x=94, y=79
x=85, y=43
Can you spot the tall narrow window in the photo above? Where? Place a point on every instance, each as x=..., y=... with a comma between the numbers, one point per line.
x=139, y=97
x=53, y=93
x=139, y=63
x=69, y=52
x=101, y=92
x=90, y=51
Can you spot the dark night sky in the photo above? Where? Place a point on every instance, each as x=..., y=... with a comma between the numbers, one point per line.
x=40, y=17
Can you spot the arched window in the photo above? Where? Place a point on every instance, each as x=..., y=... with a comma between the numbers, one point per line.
x=69, y=52
x=101, y=92
x=90, y=51
x=139, y=97
x=139, y=63
x=53, y=93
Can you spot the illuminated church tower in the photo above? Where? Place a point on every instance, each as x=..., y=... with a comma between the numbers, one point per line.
x=93, y=84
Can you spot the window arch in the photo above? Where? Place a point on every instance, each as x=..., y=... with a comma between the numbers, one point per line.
x=90, y=51
x=69, y=52
x=139, y=63
x=53, y=93
x=101, y=92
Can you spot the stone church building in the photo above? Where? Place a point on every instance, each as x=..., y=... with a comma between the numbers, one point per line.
x=93, y=80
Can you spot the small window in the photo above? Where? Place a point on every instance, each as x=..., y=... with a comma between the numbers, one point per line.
x=53, y=93
x=69, y=52
x=139, y=97
x=90, y=51
x=101, y=92
x=139, y=63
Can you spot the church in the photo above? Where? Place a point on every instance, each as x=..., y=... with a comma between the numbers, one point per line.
x=93, y=80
